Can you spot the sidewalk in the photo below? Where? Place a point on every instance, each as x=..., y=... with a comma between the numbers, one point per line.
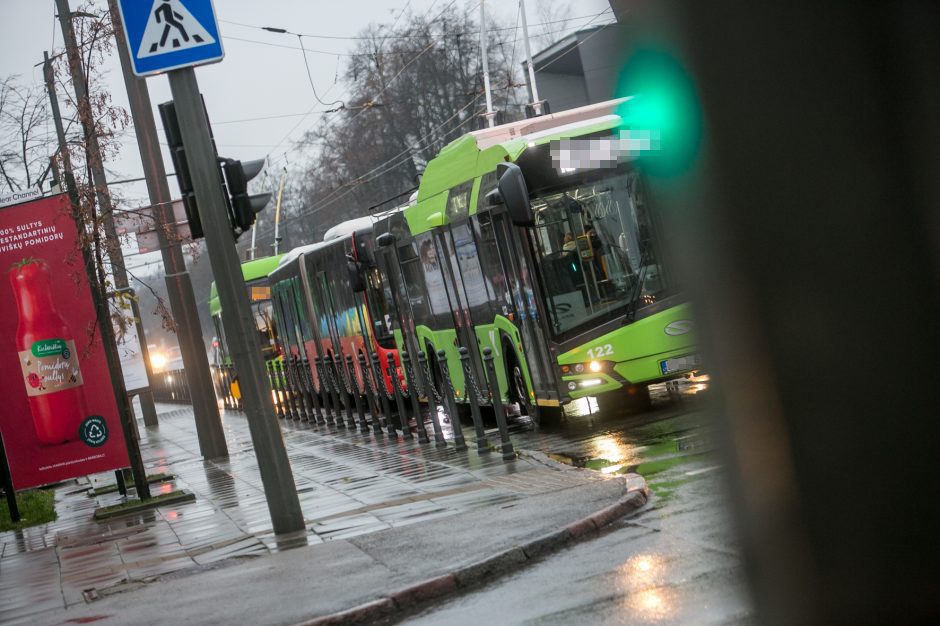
x=382, y=515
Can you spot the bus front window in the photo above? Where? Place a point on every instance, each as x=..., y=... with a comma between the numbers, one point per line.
x=379, y=297
x=264, y=322
x=595, y=251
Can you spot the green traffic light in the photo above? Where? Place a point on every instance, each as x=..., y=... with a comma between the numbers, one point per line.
x=664, y=106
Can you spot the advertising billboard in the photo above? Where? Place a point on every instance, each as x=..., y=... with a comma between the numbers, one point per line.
x=60, y=418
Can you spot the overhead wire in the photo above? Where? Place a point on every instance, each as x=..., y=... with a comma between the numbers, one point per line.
x=386, y=37
x=373, y=99
x=374, y=173
x=365, y=178
x=397, y=52
x=344, y=190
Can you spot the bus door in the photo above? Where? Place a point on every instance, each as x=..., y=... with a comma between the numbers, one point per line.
x=458, y=252
x=519, y=282
x=328, y=313
x=308, y=308
x=390, y=267
x=370, y=341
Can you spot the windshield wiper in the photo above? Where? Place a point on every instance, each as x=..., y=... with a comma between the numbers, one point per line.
x=634, y=301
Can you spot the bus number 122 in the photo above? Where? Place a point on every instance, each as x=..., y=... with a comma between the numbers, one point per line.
x=599, y=351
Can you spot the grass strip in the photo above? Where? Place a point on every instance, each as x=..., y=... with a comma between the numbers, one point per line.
x=37, y=506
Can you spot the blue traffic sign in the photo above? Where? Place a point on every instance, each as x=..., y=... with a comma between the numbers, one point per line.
x=166, y=35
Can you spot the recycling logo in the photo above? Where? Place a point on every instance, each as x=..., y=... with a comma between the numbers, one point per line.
x=93, y=431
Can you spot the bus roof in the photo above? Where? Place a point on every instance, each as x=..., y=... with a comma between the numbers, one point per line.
x=489, y=137
x=363, y=223
x=251, y=270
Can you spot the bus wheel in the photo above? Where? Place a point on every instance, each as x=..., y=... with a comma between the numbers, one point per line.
x=518, y=391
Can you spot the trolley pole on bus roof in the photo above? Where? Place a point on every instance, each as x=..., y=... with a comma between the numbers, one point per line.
x=276, y=476
x=490, y=114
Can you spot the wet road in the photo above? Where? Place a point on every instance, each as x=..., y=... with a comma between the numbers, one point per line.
x=675, y=562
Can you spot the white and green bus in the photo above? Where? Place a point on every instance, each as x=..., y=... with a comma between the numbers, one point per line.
x=541, y=241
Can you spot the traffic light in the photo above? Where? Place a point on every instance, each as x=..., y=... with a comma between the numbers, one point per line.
x=174, y=139
x=242, y=205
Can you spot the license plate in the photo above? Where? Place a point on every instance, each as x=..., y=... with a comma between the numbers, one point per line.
x=679, y=364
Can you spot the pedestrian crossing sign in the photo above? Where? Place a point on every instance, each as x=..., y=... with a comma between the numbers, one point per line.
x=165, y=35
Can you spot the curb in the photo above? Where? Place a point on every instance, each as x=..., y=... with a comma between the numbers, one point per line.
x=637, y=494
x=177, y=497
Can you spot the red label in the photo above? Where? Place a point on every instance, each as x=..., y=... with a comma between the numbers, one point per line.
x=52, y=371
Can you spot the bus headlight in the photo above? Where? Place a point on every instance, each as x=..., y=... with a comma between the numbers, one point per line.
x=594, y=366
x=591, y=382
x=579, y=368
x=572, y=385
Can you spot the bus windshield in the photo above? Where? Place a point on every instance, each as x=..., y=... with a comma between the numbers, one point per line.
x=379, y=297
x=259, y=292
x=594, y=248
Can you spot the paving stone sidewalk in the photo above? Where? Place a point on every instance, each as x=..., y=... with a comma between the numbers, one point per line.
x=350, y=484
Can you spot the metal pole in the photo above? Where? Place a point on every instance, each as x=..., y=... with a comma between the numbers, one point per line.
x=370, y=397
x=399, y=400
x=381, y=390
x=178, y=283
x=486, y=67
x=101, y=304
x=325, y=389
x=450, y=404
x=470, y=392
x=493, y=384
x=528, y=54
x=8, y=484
x=254, y=237
x=314, y=396
x=60, y=130
x=276, y=476
x=413, y=397
x=357, y=394
x=427, y=384
x=277, y=216
x=96, y=167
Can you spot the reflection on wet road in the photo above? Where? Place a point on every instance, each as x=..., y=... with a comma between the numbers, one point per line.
x=675, y=562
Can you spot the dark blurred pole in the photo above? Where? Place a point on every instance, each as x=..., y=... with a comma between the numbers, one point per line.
x=811, y=226
x=7, y=484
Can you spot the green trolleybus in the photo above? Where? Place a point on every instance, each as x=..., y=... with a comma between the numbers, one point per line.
x=540, y=241
x=259, y=293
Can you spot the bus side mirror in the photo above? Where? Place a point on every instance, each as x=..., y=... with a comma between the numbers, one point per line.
x=385, y=239
x=515, y=194
x=355, y=276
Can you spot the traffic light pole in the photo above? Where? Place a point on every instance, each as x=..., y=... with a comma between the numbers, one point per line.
x=237, y=319
x=178, y=283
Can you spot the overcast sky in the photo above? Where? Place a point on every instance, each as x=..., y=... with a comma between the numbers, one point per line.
x=262, y=75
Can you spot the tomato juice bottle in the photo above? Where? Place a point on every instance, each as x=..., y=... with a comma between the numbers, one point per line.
x=47, y=355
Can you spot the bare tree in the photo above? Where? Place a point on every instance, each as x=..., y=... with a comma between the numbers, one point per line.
x=555, y=18
x=24, y=146
x=413, y=88
x=100, y=120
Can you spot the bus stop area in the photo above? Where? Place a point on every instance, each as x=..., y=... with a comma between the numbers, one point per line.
x=389, y=523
